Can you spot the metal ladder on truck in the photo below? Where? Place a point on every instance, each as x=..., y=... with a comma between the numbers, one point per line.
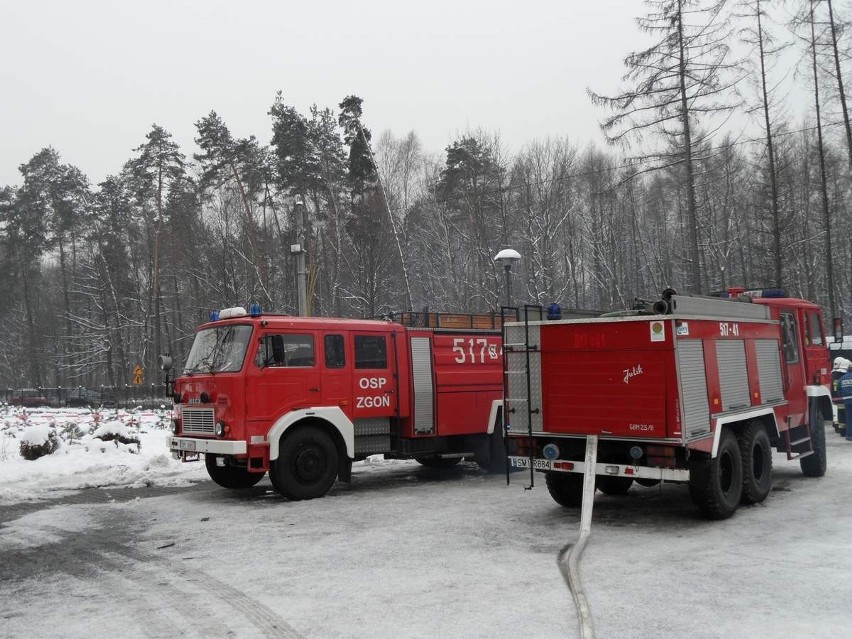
x=520, y=348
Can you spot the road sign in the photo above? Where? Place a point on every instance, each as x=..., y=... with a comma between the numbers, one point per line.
x=138, y=375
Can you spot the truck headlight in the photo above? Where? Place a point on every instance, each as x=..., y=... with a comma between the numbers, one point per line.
x=219, y=429
x=174, y=426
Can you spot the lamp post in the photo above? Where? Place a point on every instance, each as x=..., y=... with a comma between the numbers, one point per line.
x=506, y=258
x=298, y=250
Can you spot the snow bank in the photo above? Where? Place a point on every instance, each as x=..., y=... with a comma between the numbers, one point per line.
x=97, y=449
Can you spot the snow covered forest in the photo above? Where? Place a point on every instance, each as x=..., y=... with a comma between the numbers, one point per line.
x=709, y=174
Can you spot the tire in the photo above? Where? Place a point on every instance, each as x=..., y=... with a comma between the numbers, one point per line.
x=565, y=488
x=756, y=453
x=227, y=476
x=815, y=465
x=439, y=462
x=613, y=485
x=648, y=483
x=716, y=484
x=307, y=464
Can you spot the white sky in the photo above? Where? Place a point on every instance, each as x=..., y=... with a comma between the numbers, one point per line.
x=89, y=77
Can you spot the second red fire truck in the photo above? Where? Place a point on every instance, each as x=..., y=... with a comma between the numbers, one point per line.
x=697, y=390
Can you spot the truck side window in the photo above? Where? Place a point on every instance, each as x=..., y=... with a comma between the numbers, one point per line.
x=285, y=350
x=371, y=351
x=335, y=355
x=791, y=343
x=814, y=328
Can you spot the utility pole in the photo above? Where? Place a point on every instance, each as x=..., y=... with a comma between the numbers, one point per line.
x=298, y=250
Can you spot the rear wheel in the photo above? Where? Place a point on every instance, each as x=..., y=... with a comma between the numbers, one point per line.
x=648, y=483
x=307, y=463
x=439, y=462
x=565, y=488
x=756, y=452
x=815, y=465
x=716, y=484
x=613, y=485
x=228, y=476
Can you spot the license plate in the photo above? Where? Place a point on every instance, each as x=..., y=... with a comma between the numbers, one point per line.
x=186, y=444
x=537, y=464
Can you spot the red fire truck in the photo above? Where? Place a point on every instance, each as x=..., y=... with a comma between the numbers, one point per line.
x=302, y=398
x=696, y=390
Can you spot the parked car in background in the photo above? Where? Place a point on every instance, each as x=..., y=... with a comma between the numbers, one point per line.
x=82, y=398
x=30, y=397
x=108, y=396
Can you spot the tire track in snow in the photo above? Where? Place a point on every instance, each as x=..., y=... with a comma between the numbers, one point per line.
x=261, y=616
x=193, y=595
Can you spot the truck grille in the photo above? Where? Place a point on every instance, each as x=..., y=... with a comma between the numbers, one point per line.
x=198, y=420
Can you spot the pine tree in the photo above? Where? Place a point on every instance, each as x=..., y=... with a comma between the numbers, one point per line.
x=158, y=165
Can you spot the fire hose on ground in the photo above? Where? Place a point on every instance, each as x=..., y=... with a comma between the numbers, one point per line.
x=569, y=557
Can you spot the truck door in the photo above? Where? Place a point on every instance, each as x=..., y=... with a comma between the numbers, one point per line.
x=335, y=382
x=284, y=376
x=375, y=382
x=794, y=366
x=816, y=368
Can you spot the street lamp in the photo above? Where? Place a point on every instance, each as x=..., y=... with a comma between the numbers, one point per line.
x=506, y=258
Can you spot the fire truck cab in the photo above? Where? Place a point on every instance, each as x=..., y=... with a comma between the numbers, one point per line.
x=302, y=398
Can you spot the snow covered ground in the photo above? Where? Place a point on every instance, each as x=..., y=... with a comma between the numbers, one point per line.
x=84, y=459
x=403, y=551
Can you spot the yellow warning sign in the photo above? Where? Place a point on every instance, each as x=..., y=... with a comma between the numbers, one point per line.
x=138, y=375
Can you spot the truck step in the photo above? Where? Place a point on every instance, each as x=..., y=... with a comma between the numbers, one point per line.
x=800, y=455
x=799, y=441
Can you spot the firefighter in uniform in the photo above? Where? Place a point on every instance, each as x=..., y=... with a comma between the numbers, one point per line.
x=845, y=389
x=839, y=368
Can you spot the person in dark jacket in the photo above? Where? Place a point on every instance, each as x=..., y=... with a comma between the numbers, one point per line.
x=839, y=368
x=845, y=389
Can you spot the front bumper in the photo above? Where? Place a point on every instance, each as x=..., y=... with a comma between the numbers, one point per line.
x=198, y=445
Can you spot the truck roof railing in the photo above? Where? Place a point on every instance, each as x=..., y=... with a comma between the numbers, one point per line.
x=427, y=319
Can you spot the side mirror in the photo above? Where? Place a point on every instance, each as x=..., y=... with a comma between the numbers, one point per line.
x=837, y=324
x=165, y=363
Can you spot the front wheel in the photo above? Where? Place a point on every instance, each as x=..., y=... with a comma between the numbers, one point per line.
x=307, y=463
x=716, y=484
x=815, y=465
x=565, y=488
x=228, y=476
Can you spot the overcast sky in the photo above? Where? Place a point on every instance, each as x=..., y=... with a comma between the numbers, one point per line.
x=90, y=77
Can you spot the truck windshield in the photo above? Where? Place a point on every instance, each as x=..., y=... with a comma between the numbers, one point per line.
x=218, y=350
